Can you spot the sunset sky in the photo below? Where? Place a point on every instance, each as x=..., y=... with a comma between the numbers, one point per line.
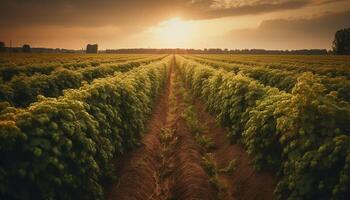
x=268, y=24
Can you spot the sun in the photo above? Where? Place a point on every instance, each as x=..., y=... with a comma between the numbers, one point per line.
x=174, y=32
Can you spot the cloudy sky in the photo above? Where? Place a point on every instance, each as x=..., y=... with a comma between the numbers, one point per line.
x=269, y=24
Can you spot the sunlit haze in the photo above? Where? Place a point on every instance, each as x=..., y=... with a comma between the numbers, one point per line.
x=170, y=24
x=173, y=33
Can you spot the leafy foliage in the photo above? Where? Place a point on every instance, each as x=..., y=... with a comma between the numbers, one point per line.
x=61, y=148
x=285, y=78
x=23, y=90
x=302, y=135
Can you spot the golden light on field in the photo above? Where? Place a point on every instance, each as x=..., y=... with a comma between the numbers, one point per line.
x=174, y=32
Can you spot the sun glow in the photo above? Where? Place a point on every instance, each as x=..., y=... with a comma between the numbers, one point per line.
x=174, y=32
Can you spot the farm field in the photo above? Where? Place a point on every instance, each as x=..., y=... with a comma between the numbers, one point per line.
x=174, y=126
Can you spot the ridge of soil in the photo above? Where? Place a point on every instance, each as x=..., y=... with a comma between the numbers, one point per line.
x=244, y=183
x=138, y=169
x=191, y=181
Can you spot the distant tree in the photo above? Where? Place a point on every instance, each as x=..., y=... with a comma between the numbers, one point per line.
x=341, y=43
x=2, y=47
x=26, y=48
x=91, y=48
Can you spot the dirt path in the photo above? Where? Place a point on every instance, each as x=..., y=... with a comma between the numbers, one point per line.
x=167, y=165
x=138, y=171
x=244, y=182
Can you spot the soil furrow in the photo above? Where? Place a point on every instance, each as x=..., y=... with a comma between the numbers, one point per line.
x=138, y=170
x=191, y=181
x=167, y=165
x=244, y=182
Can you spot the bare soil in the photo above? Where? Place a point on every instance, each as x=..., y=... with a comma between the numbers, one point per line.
x=244, y=182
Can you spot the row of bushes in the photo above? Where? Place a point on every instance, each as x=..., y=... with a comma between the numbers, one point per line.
x=302, y=135
x=330, y=66
x=19, y=65
x=281, y=78
x=62, y=148
x=23, y=90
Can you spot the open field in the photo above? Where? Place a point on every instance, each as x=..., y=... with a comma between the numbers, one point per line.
x=161, y=127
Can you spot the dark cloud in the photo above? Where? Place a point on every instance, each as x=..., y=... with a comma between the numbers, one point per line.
x=256, y=8
x=317, y=32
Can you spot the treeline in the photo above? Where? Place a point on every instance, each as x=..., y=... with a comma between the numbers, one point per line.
x=27, y=49
x=219, y=51
x=173, y=51
x=37, y=50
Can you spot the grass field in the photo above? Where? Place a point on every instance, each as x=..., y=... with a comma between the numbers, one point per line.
x=135, y=126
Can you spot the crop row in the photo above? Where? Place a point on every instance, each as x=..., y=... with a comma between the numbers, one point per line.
x=331, y=66
x=50, y=65
x=304, y=135
x=62, y=148
x=21, y=91
x=281, y=79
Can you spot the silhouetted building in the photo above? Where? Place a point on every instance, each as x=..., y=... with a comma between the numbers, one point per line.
x=91, y=48
x=2, y=47
x=26, y=48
